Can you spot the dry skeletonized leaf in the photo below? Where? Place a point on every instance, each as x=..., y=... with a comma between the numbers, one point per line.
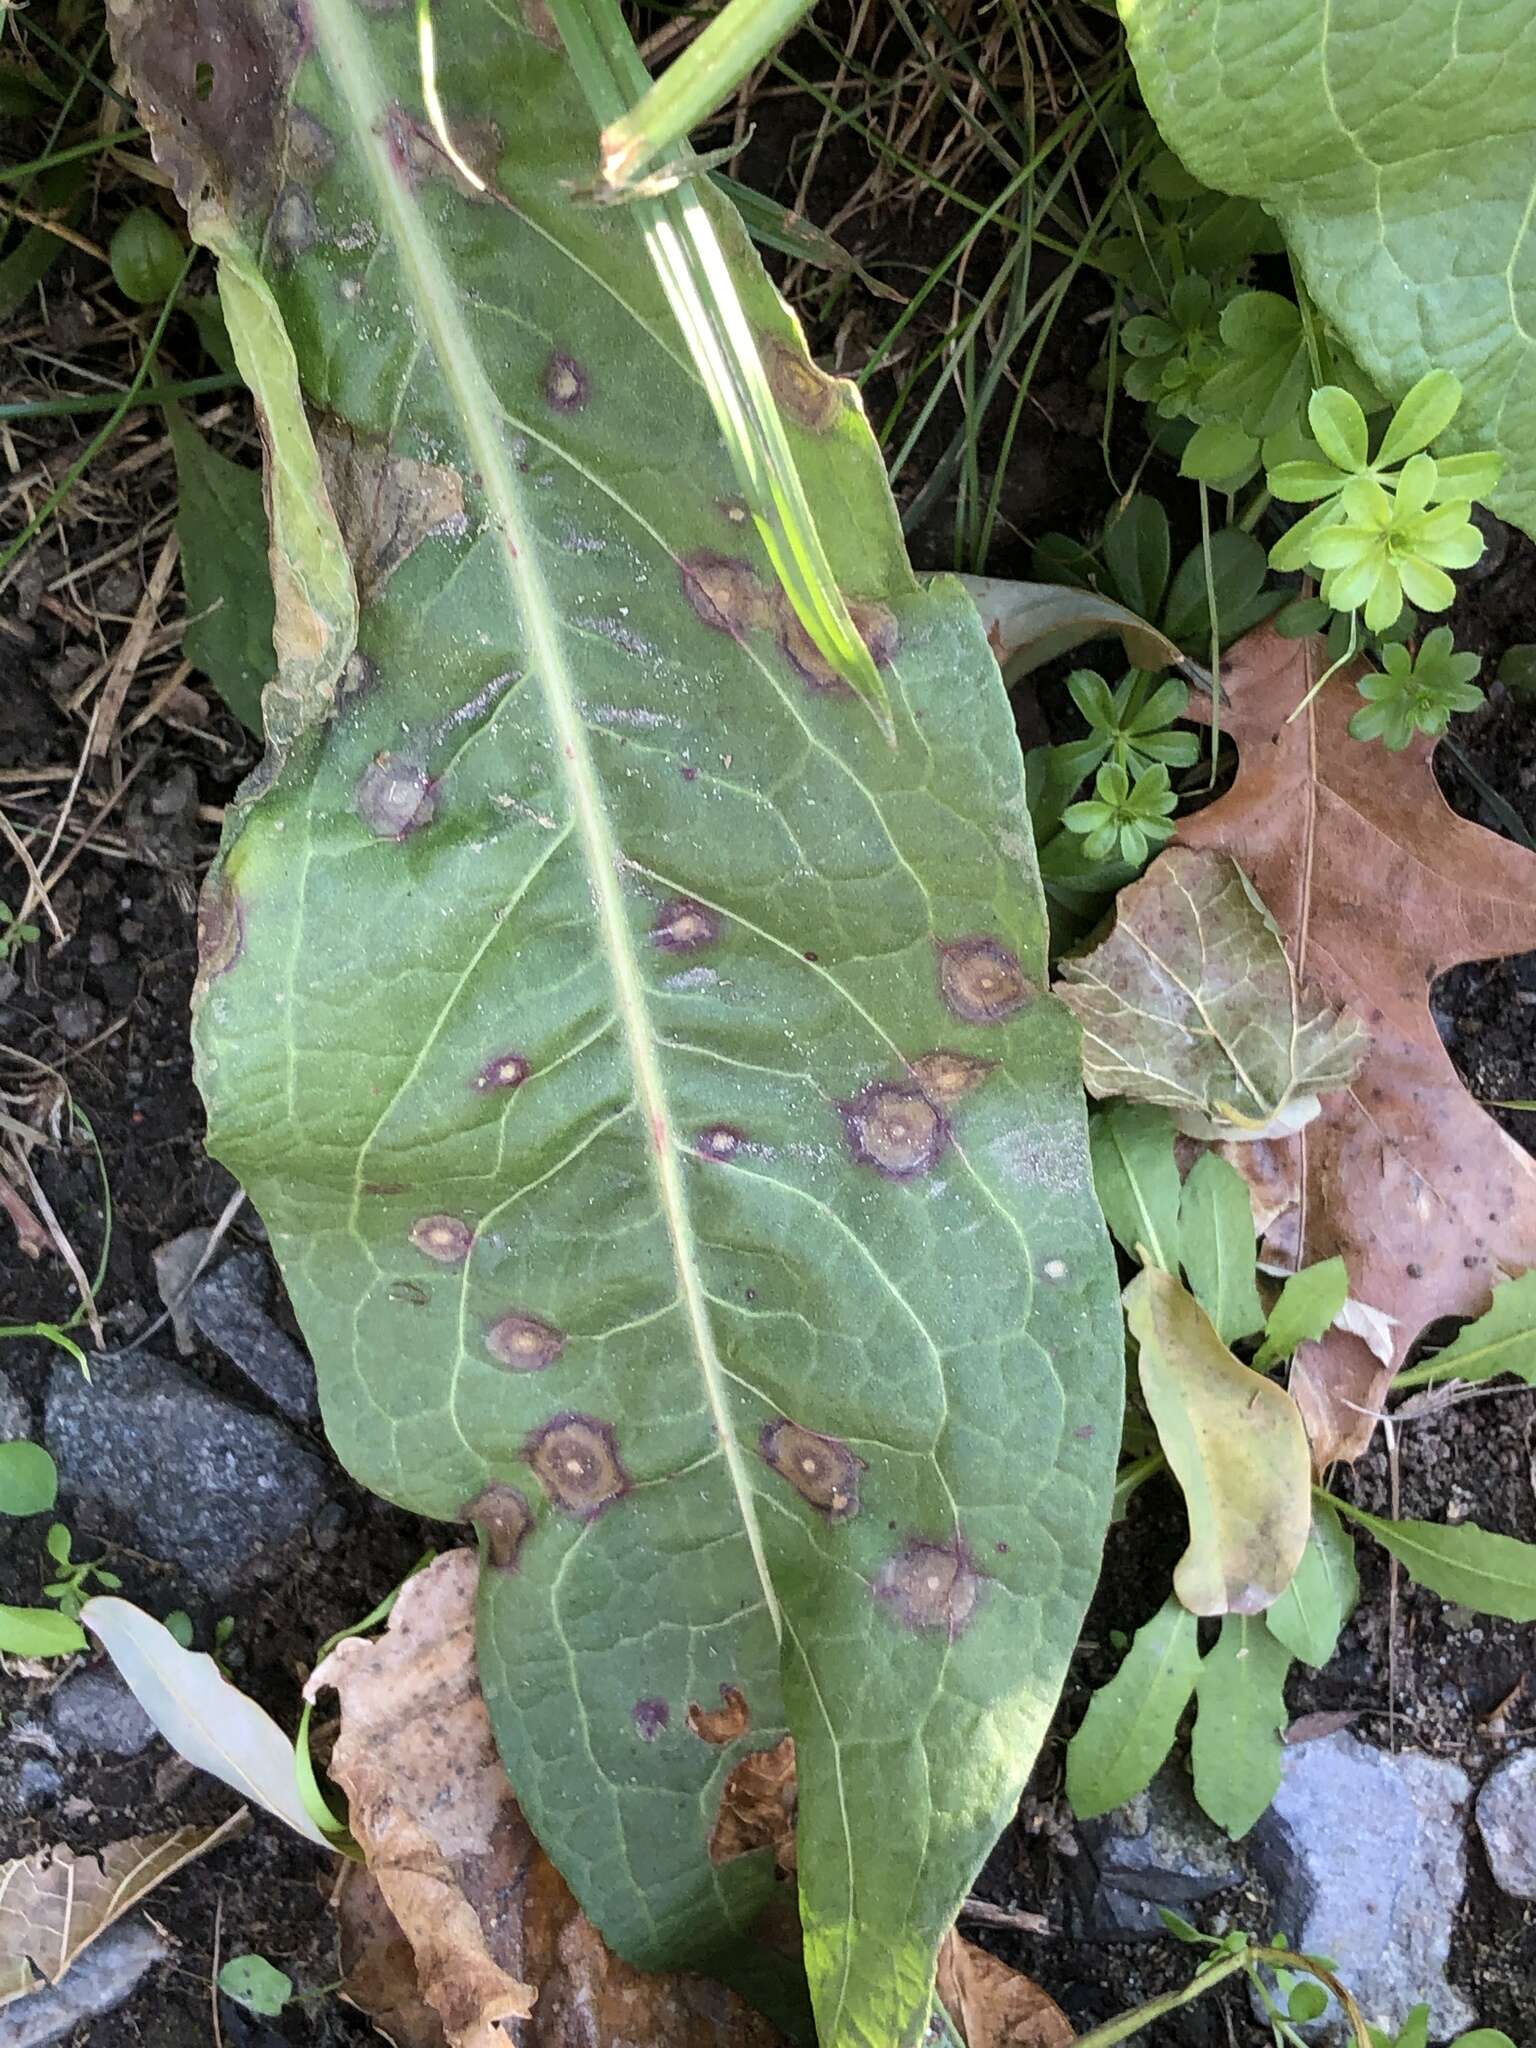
x=1237, y=1447
x=490, y=1928
x=54, y=1904
x=1378, y=888
x=995, y=2007
x=1191, y=1003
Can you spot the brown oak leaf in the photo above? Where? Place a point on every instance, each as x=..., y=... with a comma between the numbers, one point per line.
x=1379, y=888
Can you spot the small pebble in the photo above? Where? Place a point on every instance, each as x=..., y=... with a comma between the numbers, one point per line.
x=78, y=1018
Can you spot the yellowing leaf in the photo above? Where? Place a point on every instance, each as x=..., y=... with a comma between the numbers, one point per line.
x=210, y=1722
x=1236, y=1445
x=1191, y=1002
x=53, y=1904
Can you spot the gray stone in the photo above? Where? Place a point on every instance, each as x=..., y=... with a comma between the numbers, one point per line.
x=229, y=1307
x=1506, y=1819
x=200, y=1481
x=38, y=1785
x=95, y=1711
x=15, y=1415
x=110, y=1971
x=1159, y=1850
x=1365, y=1854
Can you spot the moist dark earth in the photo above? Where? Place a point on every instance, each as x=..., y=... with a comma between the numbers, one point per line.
x=107, y=1007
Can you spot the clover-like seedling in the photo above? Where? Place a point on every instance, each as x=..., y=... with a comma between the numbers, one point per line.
x=1132, y=817
x=1416, y=693
x=1384, y=528
x=1130, y=727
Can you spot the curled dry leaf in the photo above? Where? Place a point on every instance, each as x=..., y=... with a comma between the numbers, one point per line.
x=462, y=1923
x=1029, y=624
x=1192, y=1003
x=1237, y=1447
x=1378, y=887
x=54, y=1903
x=995, y=2007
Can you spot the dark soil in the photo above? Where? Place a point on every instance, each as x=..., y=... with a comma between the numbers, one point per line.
x=107, y=1008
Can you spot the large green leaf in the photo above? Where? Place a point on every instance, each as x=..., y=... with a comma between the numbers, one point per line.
x=644, y=1070
x=1396, y=147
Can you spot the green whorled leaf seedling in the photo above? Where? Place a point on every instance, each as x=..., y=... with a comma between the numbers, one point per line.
x=1124, y=817
x=1416, y=692
x=646, y=1074
x=1382, y=534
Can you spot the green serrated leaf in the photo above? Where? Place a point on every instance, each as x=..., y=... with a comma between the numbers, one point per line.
x=1191, y=1003
x=1237, y=1446
x=1235, y=1751
x=1502, y=1340
x=1219, y=454
x=1305, y=1308
x=29, y=1479
x=1132, y=1720
x=223, y=526
x=1477, y=1568
x=1136, y=1176
x=1217, y=1246
x=1329, y=120
x=1323, y=1595
x=646, y=1073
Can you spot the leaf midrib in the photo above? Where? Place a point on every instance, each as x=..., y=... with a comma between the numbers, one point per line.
x=359, y=89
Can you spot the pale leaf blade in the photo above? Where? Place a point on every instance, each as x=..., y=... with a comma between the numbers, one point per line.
x=1136, y=1177
x=1499, y=1341
x=1314, y=1607
x=1217, y=1245
x=1477, y=1568
x=1132, y=1721
x=1236, y=1751
x=210, y=1722
x=1237, y=1447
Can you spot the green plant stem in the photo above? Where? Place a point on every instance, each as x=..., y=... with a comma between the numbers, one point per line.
x=1505, y=812
x=1134, y=1477
x=123, y=406
x=735, y=42
x=16, y=174
x=152, y=394
x=1130, y=2024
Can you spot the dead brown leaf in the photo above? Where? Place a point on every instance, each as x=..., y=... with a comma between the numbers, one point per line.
x=993, y=2006
x=53, y=1904
x=490, y=1929
x=1378, y=887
